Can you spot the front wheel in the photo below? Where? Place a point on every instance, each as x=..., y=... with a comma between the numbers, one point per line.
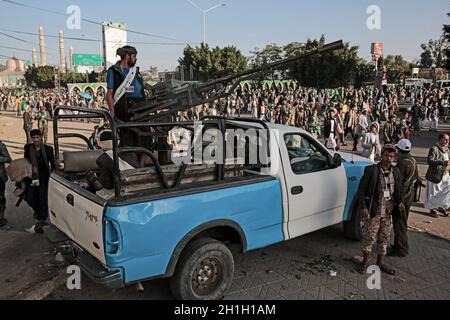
x=353, y=229
x=204, y=272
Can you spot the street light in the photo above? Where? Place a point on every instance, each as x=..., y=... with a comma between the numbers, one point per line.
x=204, y=15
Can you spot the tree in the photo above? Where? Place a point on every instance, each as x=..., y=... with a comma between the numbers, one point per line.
x=397, y=68
x=447, y=44
x=40, y=77
x=206, y=64
x=433, y=53
x=364, y=73
x=271, y=53
x=333, y=69
x=74, y=78
x=328, y=70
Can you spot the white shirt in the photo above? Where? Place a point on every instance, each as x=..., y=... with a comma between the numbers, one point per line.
x=363, y=121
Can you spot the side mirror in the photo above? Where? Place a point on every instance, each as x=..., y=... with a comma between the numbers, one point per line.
x=337, y=160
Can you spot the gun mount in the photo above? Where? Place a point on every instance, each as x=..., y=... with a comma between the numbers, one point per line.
x=167, y=98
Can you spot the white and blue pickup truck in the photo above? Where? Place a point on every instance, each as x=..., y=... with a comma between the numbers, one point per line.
x=172, y=221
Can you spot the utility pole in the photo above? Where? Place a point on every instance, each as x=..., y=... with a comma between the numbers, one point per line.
x=204, y=15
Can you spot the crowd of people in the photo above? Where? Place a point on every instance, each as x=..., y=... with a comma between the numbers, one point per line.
x=337, y=114
x=370, y=119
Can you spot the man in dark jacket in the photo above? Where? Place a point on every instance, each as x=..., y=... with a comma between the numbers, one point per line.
x=4, y=158
x=42, y=159
x=410, y=174
x=27, y=123
x=380, y=197
x=390, y=130
x=416, y=115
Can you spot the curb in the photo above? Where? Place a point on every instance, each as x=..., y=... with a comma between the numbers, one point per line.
x=44, y=289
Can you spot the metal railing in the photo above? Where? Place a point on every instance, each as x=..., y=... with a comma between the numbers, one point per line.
x=115, y=126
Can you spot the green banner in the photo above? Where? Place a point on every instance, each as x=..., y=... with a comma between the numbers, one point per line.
x=87, y=59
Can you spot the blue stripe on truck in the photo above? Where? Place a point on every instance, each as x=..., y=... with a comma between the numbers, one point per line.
x=149, y=232
x=354, y=173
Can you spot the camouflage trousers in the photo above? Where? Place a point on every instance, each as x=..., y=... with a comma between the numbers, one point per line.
x=44, y=131
x=377, y=229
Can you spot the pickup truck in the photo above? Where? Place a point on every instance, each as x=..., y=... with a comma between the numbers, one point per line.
x=177, y=221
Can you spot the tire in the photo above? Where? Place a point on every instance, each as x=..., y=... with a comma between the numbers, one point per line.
x=353, y=229
x=204, y=272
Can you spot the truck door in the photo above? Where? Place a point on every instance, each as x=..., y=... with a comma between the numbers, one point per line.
x=316, y=189
x=78, y=214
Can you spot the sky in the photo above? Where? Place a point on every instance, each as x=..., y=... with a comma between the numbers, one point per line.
x=246, y=24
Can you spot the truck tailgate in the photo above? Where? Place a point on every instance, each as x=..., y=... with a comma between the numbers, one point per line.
x=79, y=217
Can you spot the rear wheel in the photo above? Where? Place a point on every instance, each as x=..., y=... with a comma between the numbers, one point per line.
x=204, y=272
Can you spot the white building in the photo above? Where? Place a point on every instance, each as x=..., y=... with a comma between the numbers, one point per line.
x=14, y=74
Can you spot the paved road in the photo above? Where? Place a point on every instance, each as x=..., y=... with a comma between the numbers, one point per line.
x=283, y=271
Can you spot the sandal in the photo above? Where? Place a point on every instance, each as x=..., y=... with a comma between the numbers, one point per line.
x=362, y=268
x=443, y=212
x=434, y=213
x=386, y=269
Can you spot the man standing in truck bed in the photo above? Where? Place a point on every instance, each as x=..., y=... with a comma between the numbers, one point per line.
x=125, y=90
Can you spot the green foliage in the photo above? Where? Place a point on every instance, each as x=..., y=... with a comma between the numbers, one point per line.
x=447, y=43
x=397, y=68
x=271, y=53
x=44, y=77
x=40, y=77
x=364, y=73
x=330, y=70
x=433, y=53
x=209, y=64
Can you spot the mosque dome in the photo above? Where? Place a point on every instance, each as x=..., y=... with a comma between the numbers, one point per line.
x=15, y=64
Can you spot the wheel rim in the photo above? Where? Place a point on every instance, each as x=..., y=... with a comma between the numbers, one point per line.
x=207, y=276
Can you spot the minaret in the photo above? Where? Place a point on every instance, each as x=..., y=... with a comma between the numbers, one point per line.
x=62, y=57
x=72, y=67
x=35, y=59
x=42, y=45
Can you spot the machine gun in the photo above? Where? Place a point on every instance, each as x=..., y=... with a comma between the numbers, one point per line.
x=167, y=98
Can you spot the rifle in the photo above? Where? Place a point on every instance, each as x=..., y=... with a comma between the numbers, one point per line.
x=168, y=98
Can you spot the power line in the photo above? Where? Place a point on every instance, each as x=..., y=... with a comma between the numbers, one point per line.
x=25, y=41
x=18, y=39
x=88, y=20
x=92, y=40
x=32, y=7
x=17, y=49
x=9, y=57
x=47, y=35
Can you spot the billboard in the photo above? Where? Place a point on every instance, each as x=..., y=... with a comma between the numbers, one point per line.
x=114, y=36
x=87, y=59
x=376, y=49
